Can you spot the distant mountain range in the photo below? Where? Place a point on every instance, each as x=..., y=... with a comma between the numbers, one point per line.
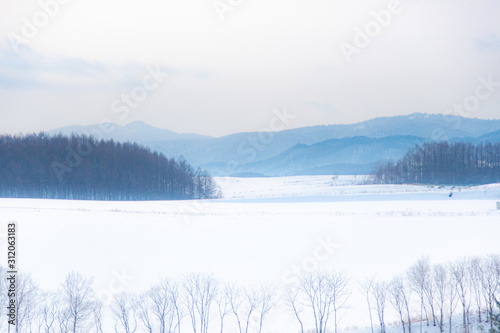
x=331, y=149
x=137, y=131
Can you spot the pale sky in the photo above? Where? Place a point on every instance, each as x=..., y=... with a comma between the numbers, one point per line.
x=228, y=70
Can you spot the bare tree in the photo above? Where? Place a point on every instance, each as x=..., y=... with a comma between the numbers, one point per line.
x=161, y=305
x=340, y=284
x=325, y=294
x=452, y=290
x=124, y=313
x=293, y=303
x=97, y=310
x=176, y=300
x=475, y=267
x=268, y=301
x=234, y=294
x=27, y=296
x=429, y=292
x=407, y=292
x=252, y=304
x=63, y=317
x=48, y=312
x=399, y=299
x=77, y=301
x=441, y=277
x=367, y=287
x=316, y=289
x=418, y=275
x=200, y=293
x=490, y=282
x=143, y=305
x=247, y=303
x=223, y=304
x=380, y=290
x=461, y=276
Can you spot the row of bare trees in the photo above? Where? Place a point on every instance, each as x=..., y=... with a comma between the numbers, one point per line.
x=435, y=293
x=196, y=301
x=427, y=294
x=319, y=295
x=200, y=300
x=67, y=310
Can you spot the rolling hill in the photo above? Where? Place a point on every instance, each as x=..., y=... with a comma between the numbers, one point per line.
x=326, y=149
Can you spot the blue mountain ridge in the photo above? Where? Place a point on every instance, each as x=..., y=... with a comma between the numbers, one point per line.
x=324, y=149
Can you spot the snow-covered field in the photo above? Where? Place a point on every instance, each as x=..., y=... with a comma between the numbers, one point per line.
x=261, y=231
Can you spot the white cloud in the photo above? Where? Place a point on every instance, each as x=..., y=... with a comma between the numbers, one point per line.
x=265, y=54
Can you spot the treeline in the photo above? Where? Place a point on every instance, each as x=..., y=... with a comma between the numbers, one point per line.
x=84, y=168
x=433, y=294
x=193, y=303
x=456, y=163
x=461, y=293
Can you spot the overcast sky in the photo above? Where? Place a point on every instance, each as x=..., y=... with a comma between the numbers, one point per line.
x=65, y=62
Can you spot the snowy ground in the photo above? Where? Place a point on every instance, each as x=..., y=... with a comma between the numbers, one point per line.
x=261, y=230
